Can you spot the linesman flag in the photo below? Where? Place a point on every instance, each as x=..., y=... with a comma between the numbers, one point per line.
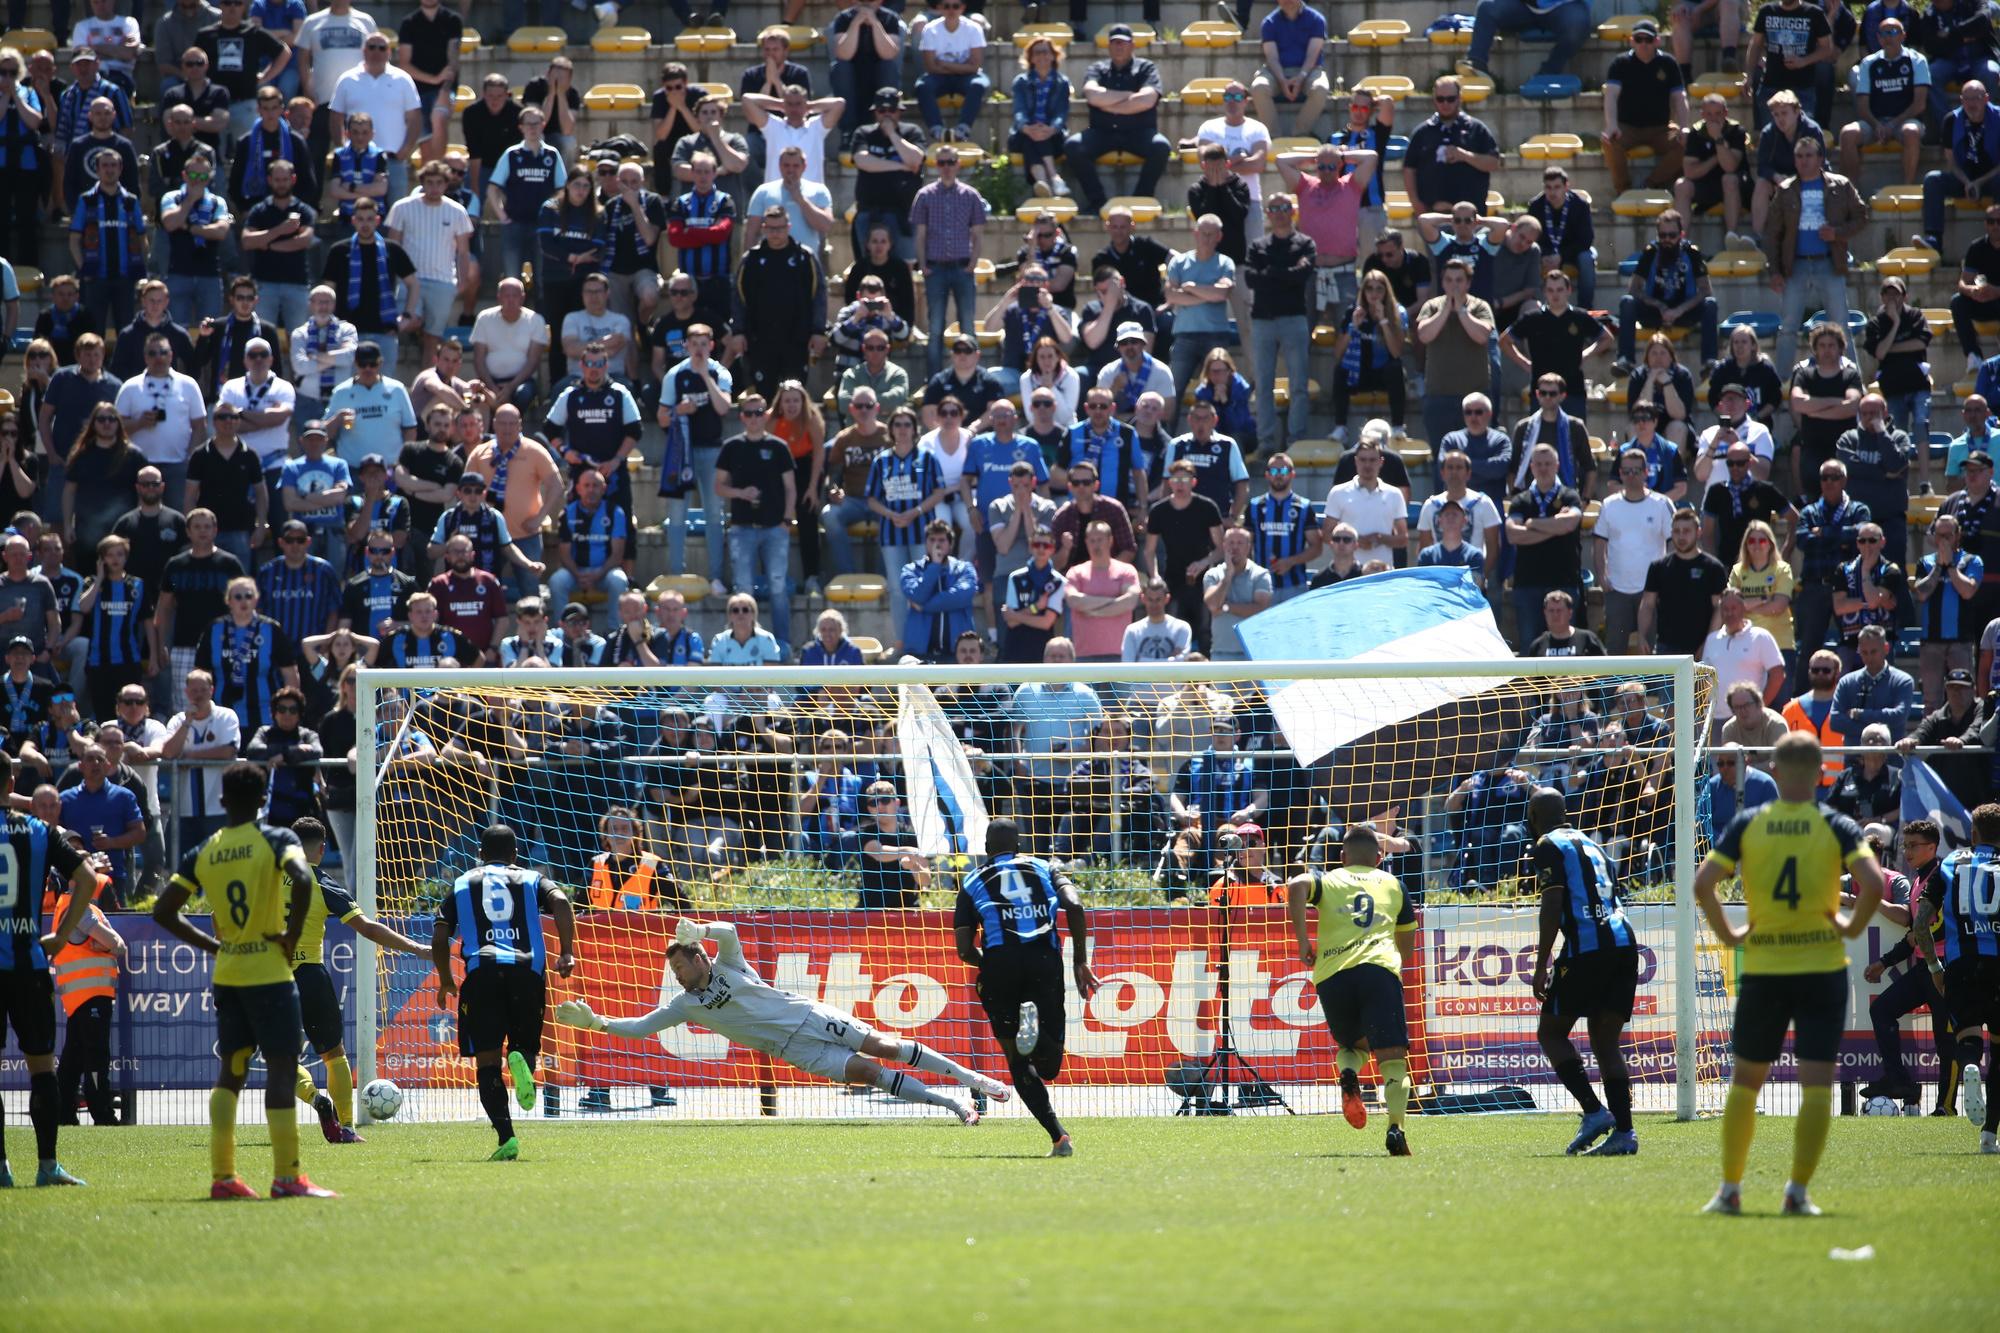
x=1431, y=614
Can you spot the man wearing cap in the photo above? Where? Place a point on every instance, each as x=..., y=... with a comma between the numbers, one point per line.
x=299, y=590
x=581, y=647
x=314, y=488
x=1955, y=725
x=1733, y=425
x=889, y=157
x=1135, y=372
x=595, y=424
x=1645, y=105
x=267, y=402
x=1123, y=94
x=25, y=694
x=377, y=598
x=1247, y=881
x=975, y=387
x=1977, y=508
x=492, y=546
x=949, y=218
x=370, y=413
x=163, y=413
x=778, y=308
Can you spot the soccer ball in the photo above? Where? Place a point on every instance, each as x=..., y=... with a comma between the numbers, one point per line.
x=1875, y=1106
x=383, y=1099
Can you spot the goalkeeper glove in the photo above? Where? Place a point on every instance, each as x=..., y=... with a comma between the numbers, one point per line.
x=577, y=1014
x=690, y=932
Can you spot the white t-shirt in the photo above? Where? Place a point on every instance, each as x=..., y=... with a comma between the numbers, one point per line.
x=1367, y=511
x=1167, y=641
x=809, y=138
x=586, y=327
x=736, y=1002
x=507, y=345
x=1748, y=655
x=1480, y=514
x=115, y=30
x=204, y=782
x=385, y=97
x=1635, y=534
x=429, y=234
x=335, y=42
x=1753, y=433
x=271, y=443
x=951, y=466
x=1237, y=138
x=172, y=439
x=945, y=44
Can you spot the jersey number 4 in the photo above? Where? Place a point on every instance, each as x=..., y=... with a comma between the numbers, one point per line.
x=1786, y=890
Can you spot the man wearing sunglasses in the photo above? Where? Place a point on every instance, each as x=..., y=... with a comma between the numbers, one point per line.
x=249, y=656
x=196, y=221
x=163, y=413
x=1645, y=105
x=1452, y=155
x=1284, y=538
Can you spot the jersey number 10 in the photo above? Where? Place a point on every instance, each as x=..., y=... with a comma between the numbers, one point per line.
x=1979, y=890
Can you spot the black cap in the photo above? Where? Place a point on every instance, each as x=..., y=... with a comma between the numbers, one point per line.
x=888, y=97
x=313, y=428
x=1646, y=25
x=1958, y=676
x=471, y=479
x=1736, y=389
x=371, y=460
x=1117, y=30
x=1981, y=457
x=367, y=353
x=576, y=610
x=20, y=641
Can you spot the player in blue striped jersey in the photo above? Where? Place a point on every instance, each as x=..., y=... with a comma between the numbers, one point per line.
x=299, y=590
x=1595, y=977
x=494, y=911
x=29, y=851
x=1965, y=897
x=1284, y=530
x=904, y=484
x=1005, y=926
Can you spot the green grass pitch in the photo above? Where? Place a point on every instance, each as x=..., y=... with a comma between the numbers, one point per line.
x=1157, y=1224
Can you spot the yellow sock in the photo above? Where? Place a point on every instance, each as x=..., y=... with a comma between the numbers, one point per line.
x=340, y=1086
x=1739, y=1123
x=221, y=1134
x=1350, y=1061
x=1809, y=1135
x=306, y=1088
x=284, y=1141
x=1396, y=1088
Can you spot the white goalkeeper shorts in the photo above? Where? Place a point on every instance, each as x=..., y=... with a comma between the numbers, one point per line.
x=825, y=1043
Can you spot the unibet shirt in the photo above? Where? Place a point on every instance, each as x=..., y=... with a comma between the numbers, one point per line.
x=1361, y=911
x=245, y=872
x=1790, y=855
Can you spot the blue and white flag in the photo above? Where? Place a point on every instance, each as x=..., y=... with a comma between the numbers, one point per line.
x=1434, y=614
x=946, y=809
x=1926, y=797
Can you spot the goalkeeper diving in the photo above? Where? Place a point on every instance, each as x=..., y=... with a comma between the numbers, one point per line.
x=725, y=995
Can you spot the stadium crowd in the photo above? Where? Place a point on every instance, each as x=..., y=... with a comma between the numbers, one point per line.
x=279, y=417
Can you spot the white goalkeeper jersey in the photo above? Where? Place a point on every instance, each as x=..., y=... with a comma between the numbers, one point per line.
x=736, y=1002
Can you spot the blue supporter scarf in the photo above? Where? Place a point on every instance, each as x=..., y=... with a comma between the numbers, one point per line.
x=253, y=167
x=318, y=341
x=385, y=288
x=1136, y=383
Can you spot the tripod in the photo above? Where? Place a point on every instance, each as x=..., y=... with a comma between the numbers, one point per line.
x=1225, y=1068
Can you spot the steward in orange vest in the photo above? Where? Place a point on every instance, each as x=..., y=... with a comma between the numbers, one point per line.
x=86, y=975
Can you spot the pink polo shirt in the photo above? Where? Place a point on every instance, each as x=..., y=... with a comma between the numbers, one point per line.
x=1331, y=215
x=1100, y=636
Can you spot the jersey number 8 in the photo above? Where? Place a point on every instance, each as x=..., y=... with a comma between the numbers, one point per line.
x=239, y=903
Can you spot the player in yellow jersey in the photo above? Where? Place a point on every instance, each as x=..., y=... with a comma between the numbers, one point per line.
x=1789, y=855
x=257, y=883
x=1366, y=929
x=319, y=1002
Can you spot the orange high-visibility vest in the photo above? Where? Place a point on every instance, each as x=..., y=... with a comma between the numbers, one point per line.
x=1796, y=718
x=635, y=894
x=84, y=971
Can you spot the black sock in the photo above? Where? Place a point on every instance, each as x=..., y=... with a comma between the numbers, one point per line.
x=1571, y=1073
x=1970, y=1049
x=1992, y=1125
x=1618, y=1096
x=45, y=1110
x=493, y=1096
x=3, y=1129
x=1034, y=1095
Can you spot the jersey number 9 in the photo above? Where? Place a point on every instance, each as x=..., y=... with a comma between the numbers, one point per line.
x=10, y=876
x=1362, y=909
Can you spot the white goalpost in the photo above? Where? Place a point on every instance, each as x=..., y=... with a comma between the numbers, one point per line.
x=741, y=785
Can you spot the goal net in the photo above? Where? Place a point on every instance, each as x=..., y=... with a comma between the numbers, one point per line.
x=832, y=814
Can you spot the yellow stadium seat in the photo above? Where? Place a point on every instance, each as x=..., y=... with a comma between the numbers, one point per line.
x=804, y=36
x=1029, y=33
x=1639, y=152
x=1294, y=145
x=704, y=41
x=463, y=98
x=468, y=42
x=1939, y=320
x=620, y=39
x=982, y=273
x=1590, y=512
x=1474, y=87
x=1379, y=32
x=1314, y=453
x=615, y=97
x=1145, y=209
x=1398, y=86
x=1731, y=86
x=1972, y=204
x=29, y=280
x=1143, y=36
x=987, y=338
x=1496, y=203
x=1062, y=210
x=1891, y=148
x=1619, y=27
x=1910, y=261
x=1552, y=147
x=717, y=91
x=858, y=589
x=536, y=41
x=1324, y=335
x=6, y=403
x=1414, y=453
x=1451, y=37
x=30, y=40
x=1211, y=32
x=1618, y=393
x=1204, y=92
x=970, y=155
x=1119, y=158
x=1898, y=199
x=691, y=587
x=870, y=647
x=1642, y=203
x=1398, y=204
x=1736, y=264
x=1963, y=388
x=1281, y=392
x=1923, y=509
